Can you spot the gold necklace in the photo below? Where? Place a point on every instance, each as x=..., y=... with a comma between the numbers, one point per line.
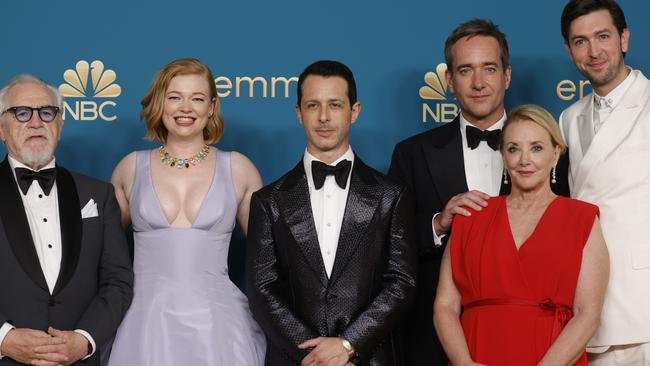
x=181, y=163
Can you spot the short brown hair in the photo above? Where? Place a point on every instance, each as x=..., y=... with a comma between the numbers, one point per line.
x=477, y=27
x=153, y=103
x=539, y=116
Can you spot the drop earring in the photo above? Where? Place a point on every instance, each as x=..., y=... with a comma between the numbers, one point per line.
x=505, y=177
x=553, y=180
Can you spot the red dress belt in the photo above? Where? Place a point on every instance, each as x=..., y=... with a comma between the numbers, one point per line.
x=561, y=313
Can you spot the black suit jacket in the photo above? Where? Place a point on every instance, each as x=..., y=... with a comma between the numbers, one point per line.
x=372, y=282
x=94, y=287
x=431, y=166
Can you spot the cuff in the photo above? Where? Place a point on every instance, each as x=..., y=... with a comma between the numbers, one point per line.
x=6, y=327
x=90, y=339
x=437, y=239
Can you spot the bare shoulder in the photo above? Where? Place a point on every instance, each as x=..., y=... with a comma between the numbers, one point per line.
x=124, y=171
x=242, y=165
x=126, y=165
x=245, y=178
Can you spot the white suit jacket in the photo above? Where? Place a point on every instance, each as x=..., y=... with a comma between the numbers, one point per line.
x=614, y=173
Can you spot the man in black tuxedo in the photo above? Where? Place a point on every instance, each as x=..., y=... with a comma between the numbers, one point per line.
x=64, y=263
x=456, y=165
x=330, y=265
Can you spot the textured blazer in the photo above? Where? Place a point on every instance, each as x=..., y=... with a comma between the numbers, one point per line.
x=372, y=283
x=432, y=168
x=94, y=287
x=613, y=172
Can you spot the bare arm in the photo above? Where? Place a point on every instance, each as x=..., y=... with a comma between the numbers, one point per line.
x=587, y=305
x=246, y=180
x=122, y=180
x=446, y=316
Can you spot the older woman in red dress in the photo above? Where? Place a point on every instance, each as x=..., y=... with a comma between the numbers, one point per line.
x=529, y=270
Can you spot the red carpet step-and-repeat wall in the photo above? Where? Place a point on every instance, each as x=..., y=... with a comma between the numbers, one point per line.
x=103, y=56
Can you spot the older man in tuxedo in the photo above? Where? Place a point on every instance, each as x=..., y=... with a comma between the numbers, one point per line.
x=330, y=266
x=608, y=132
x=64, y=263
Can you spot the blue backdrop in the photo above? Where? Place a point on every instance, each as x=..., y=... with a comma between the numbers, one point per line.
x=390, y=47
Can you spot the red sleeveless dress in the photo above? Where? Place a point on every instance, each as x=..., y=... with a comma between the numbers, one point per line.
x=516, y=302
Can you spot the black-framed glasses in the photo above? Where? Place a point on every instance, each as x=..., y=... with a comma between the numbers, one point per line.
x=24, y=113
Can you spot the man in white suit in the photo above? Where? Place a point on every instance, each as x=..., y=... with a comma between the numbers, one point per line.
x=608, y=134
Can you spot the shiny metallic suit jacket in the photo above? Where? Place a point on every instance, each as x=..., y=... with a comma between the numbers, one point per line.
x=372, y=283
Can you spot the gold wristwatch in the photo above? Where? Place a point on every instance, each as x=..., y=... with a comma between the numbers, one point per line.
x=348, y=348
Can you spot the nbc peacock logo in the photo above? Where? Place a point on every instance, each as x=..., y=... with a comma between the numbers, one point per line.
x=92, y=86
x=436, y=91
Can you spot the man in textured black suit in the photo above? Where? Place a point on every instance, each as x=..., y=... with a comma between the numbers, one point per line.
x=456, y=165
x=64, y=263
x=330, y=266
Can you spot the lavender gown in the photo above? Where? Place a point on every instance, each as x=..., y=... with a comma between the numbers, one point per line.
x=185, y=309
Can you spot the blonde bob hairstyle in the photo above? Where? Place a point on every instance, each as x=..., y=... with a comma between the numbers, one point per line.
x=539, y=116
x=153, y=103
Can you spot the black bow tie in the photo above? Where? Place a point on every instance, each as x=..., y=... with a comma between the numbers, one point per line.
x=475, y=136
x=45, y=179
x=340, y=171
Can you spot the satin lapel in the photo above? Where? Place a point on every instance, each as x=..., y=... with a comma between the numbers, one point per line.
x=615, y=130
x=295, y=207
x=16, y=226
x=363, y=198
x=444, y=157
x=71, y=226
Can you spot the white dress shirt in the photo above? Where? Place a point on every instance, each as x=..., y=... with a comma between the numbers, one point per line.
x=328, y=208
x=43, y=216
x=483, y=166
x=42, y=213
x=604, y=105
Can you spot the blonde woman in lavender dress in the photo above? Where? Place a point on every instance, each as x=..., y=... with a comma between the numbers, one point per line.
x=183, y=200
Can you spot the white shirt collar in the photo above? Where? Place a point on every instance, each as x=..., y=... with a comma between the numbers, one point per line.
x=495, y=126
x=308, y=158
x=616, y=95
x=13, y=163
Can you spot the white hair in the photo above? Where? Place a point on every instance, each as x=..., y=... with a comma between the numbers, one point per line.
x=28, y=79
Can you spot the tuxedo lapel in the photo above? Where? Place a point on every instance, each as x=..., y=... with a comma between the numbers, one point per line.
x=585, y=134
x=295, y=207
x=16, y=226
x=363, y=198
x=586, y=126
x=71, y=227
x=614, y=131
x=444, y=157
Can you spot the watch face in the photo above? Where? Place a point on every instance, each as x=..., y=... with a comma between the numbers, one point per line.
x=347, y=345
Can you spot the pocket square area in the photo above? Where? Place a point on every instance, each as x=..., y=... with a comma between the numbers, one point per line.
x=89, y=210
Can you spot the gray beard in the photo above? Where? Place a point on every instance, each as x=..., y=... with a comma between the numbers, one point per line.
x=37, y=159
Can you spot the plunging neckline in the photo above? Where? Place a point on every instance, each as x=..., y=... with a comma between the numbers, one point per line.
x=532, y=234
x=199, y=212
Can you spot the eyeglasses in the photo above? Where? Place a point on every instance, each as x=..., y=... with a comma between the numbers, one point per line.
x=24, y=114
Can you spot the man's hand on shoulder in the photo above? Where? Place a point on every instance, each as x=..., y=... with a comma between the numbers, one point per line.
x=21, y=344
x=327, y=351
x=472, y=199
